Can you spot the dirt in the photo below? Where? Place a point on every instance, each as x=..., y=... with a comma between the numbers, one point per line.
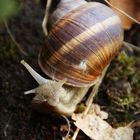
x=18, y=121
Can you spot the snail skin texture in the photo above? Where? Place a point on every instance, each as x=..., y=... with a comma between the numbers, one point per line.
x=81, y=43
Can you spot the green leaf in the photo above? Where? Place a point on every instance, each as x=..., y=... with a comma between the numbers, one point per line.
x=8, y=8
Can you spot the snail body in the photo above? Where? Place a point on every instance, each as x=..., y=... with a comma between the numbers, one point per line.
x=82, y=41
x=54, y=95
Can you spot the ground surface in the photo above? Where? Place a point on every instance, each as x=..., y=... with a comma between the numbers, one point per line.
x=119, y=94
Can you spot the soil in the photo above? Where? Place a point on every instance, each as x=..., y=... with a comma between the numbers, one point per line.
x=18, y=121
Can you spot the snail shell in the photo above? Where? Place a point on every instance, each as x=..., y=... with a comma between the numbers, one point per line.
x=81, y=44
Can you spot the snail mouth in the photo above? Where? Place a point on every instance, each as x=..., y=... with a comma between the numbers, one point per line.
x=39, y=99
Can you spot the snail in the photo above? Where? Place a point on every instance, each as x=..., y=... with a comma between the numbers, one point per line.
x=83, y=39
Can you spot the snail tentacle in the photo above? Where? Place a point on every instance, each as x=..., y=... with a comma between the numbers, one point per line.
x=40, y=80
x=30, y=91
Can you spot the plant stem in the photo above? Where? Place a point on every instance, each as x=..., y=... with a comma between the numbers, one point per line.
x=90, y=98
x=45, y=20
x=122, y=12
x=131, y=46
x=13, y=38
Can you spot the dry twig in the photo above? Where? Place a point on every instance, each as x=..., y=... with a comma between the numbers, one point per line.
x=90, y=98
x=131, y=46
x=13, y=39
x=45, y=20
x=121, y=11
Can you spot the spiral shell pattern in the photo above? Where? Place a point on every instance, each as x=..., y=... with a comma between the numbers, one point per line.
x=81, y=44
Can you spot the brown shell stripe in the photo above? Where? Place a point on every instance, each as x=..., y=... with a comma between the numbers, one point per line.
x=76, y=47
x=53, y=68
x=79, y=51
x=62, y=59
x=80, y=40
x=78, y=20
x=79, y=11
x=79, y=17
x=92, y=41
x=84, y=36
x=71, y=55
x=85, y=11
x=59, y=64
